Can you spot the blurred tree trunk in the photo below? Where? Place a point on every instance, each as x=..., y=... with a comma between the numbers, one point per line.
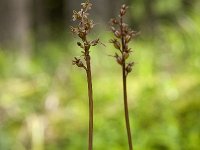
x=15, y=24
x=40, y=21
x=149, y=21
x=104, y=9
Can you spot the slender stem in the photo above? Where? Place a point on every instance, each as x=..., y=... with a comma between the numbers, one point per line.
x=126, y=111
x=90, y=95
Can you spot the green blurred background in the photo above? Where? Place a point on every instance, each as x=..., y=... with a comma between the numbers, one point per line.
x=43, y=98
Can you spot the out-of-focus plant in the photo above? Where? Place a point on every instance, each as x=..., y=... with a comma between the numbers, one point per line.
x=123, y=35
x=82, y=30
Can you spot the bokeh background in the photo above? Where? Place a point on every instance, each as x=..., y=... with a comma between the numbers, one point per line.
x=43, y=98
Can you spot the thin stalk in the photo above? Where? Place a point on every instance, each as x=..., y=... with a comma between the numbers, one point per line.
x=126, y=108
x=83, y=28
x=90, y=95
x=122, y=32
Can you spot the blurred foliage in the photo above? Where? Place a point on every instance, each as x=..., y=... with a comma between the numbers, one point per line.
x=43, y=99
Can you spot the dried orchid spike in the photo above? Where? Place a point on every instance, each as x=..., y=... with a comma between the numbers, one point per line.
x=83, y=28
x=123, y=35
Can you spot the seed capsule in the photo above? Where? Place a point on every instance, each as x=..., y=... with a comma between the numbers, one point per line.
x=114, y=21
x=118, y=59
x=129, y=67
x=125, y=55
x=127, y=38
x=122, y=12
x=82, y=35
x=117, y=45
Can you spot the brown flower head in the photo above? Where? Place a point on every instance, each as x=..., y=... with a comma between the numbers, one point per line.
x=84, y=23
x=116, y=43
x=87, y=5
x=124, y=34
x=82, y=29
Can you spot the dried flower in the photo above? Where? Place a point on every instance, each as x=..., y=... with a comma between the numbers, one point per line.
x=76, y=16
x=74, y=30
x=114, y=21
x=123, y=10
x=118, y=59
x=116, y=43
x=80, y=45
x=78, y=62
x=94, y=42
x=83, y=28
x=87, y=5
x=85, y=24
x=125, y=55
x=124, y=33
x=117, y=34
x=129, y=67
x=127, y=38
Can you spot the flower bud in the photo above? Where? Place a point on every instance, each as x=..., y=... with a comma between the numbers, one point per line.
x=94, y=42
x=127, y=38
x=117, y=34
x=117, y=45
x=80, y=45
x=126, y=47
x=114, y=21
x=118, y=59
x=82, y=35
x=125, y=55
x=79, y=64
x=124, y=25
x=129, y=67
x=122, y=12
x=124, y=6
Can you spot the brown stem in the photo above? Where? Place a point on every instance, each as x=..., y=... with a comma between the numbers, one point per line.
x=90, y=95
x=126, y=111
x=126, y=108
